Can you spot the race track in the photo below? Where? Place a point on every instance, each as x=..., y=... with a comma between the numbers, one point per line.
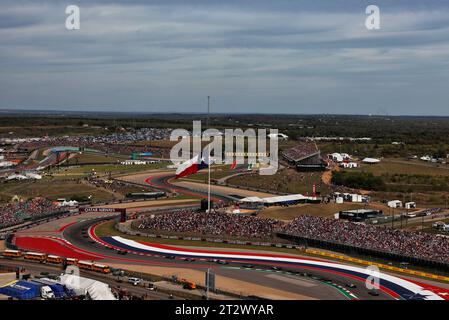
x=271, y=275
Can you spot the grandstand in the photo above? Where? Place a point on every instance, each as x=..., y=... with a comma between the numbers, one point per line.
x=305, y=157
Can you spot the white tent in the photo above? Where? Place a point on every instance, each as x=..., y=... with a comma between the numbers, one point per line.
x=394, y=204
x=336, y=157
x=277, y=136
x=290, y=197
x=273, y=200
x=251, y=199
x=32, y=175
x=410, y=205
x=70, y=203
x=16, y=177
x=97, y=290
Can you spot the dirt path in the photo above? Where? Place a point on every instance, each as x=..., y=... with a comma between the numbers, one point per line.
x=327, y=175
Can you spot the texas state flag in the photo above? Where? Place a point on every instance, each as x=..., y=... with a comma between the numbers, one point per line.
x=192, y=166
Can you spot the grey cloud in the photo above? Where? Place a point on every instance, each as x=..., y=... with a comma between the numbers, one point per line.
x=160, y=54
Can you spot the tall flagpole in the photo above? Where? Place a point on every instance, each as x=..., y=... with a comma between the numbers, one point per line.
x=210, y=162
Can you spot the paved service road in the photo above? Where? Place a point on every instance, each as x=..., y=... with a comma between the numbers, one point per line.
x=37, y=269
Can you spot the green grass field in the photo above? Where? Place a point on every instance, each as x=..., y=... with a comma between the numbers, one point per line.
x=88, y=157
x=52, y=189
x=216, y=173
x=287, y=181
x=400, y=175
x=104, y=169
x=401, y=166
x=320, y=210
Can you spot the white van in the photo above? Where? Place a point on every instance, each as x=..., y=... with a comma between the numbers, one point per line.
x=134, y=281
x=47, y=293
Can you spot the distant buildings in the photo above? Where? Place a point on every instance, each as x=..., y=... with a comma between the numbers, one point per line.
x=359, y=215
x=278, y=136
x=338, y=139
x=349, y=165
x=350, y=197
x=410, y=205
x=339, y=157
x=428, y=158
x=136, y=162
x=343, y=160
x=394, y=204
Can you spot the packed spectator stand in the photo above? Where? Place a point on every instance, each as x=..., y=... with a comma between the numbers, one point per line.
x=17, y=212
x=110, y=143
x=212, y=224
x=419, y=245
x=384, y=239
x=301, y=151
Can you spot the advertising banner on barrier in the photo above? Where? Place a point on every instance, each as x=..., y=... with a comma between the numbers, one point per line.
x=101, y=210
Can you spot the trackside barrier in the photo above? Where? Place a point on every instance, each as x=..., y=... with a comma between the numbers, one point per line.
x=352, y=250
x=379, y=265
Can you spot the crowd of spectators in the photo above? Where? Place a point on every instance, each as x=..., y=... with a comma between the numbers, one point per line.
x=300, y=151
x=118, y=143
x=211, y=224
x=406, y=243
x=19, y=211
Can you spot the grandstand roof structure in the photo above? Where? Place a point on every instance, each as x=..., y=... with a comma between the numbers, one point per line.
x=278, y=199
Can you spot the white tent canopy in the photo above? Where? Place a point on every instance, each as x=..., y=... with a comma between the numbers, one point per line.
x=370, y=160
x=251, y=199
x=97, y=290
x=279, y=199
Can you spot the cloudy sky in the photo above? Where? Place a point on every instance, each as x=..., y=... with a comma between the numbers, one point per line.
x=265, y=56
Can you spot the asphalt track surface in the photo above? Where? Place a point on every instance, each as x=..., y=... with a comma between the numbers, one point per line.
x=316, y=284
x=162, y=182
x=307, y=286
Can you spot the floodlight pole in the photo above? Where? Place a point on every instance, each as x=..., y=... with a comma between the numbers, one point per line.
x=208, y=283
x=210, y=162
